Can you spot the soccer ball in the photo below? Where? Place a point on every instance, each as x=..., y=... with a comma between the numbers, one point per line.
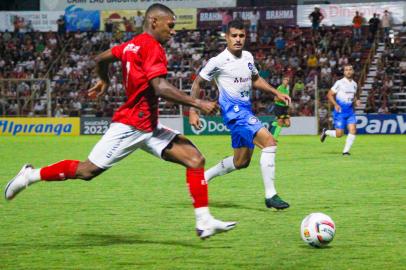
x=317, y=229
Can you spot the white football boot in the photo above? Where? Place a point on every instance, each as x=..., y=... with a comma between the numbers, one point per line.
x=213, y=226
x=18, y=183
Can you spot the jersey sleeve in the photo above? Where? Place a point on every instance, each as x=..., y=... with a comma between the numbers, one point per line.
x=335, y=87
x=118, y=50
x=210, y=70
x=154, y=61
x=254, y=70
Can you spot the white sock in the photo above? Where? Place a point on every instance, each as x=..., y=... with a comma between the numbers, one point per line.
x=268, y=170
x=348, y=142
x=223, y=167
x=202, y=215
x=34, y=176
x=331, y=133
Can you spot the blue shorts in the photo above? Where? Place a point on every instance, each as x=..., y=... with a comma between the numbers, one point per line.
x=341, y=120
x=243, y=130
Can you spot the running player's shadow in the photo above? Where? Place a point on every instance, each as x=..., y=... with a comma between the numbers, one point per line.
x=236, y=206
x=100, y=240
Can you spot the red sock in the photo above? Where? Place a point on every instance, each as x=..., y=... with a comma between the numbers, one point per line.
x=61, y=170
x=197, y=187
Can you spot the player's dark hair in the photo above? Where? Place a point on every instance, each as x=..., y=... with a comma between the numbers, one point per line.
x=159, y=7
x=237, y=24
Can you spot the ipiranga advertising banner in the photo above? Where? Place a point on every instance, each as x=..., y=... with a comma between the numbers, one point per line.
x=51, y=5
x=45, y=126
x=342, y=14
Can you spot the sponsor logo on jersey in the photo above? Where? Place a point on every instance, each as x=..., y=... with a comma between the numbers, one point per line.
x=250, y=66
x=241, y=80
x=253, y=120
x=132, y=48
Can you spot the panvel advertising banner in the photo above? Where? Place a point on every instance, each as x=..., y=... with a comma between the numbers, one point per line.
x=342, y=14
x=40, y=21
x=40, y=126
x=269, y=16
x=381, y=124
x=52, y=5
x=185, y=18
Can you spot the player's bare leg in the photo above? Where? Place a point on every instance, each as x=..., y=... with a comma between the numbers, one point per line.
x=265, y=141
x=352, y=131
x=62, y=170
x=335, y=133
x=183, y=152
x=240, y=160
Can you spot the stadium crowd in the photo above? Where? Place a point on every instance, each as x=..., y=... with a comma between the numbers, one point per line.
x=307, y=56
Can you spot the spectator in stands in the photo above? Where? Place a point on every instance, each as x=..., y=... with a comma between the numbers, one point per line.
x=138, y=23
x=402, y=29
x=108, y=28
x=61, y=26
x=312, y=61
x=394, y=109
x=128, y=28
x=280, y=43
x=305, y=111
x=254, y=19
x=373, y=26
x=226, y=17
x=58, y=112
x=316, y=17
x=323, y=117
x=357, y=26
x=386, y=23
x=383, y=109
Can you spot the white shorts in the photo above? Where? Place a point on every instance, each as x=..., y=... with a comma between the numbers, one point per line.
x=120, y=140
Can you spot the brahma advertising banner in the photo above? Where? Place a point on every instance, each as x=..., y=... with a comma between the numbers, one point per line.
x=51, y=5
x=45, y=126
x=342, y=14
x=208, y=18
x=381, y=124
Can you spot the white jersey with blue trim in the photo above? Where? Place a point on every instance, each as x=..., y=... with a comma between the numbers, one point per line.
x=232, y=75
x=345, y=91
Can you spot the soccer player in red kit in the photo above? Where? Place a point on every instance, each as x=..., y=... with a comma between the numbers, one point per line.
x=135, y=124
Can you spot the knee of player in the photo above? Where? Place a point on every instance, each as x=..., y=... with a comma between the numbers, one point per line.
x=196, y=161
x=242, y=164
x=88, y=174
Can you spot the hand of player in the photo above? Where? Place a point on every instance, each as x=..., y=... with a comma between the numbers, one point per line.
x=337, y=108
x=284, y=98
x=194, y=119
x=208, y=107
x=99, y=89
x=357, y=103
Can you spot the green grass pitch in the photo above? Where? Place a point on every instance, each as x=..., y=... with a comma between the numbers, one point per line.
x=138, y=215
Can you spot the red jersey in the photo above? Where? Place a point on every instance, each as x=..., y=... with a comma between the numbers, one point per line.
x=142, y=59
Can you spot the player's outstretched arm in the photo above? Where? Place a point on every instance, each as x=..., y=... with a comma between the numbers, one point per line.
x=194, y=118
x=102, y=69
x=259, y=83
x=332, y=99
x=169, y=92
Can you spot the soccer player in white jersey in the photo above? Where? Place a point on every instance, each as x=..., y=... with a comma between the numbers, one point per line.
x=343, y=96
x=235, y=74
